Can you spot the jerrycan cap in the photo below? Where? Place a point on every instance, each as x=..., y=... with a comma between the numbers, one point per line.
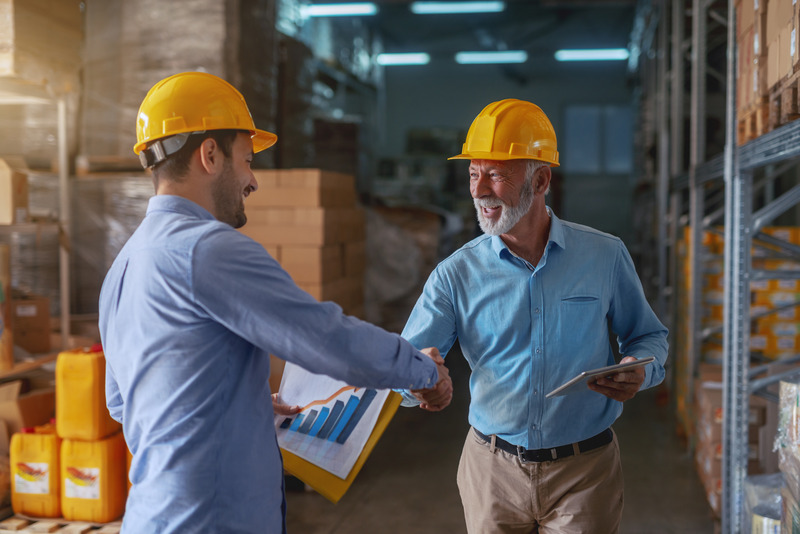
x=97, y=347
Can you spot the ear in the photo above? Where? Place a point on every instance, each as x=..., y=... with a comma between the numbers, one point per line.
x=210, y=155
x=543, y=177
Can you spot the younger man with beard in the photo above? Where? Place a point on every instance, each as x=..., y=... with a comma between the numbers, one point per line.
x=189, y=313
x=530, y=303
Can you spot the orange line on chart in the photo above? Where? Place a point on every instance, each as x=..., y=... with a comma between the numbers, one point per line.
x=326, y=401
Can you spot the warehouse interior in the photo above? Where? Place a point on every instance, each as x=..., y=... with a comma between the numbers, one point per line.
x=685, y=145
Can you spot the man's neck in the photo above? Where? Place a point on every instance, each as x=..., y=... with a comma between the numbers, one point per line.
x=529, y=237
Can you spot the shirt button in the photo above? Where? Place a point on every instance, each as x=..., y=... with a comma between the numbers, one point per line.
x=536, y=310
x=539, y=350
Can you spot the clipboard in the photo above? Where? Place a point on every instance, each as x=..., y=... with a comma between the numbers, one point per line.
x=327, y=484
x=579, y=382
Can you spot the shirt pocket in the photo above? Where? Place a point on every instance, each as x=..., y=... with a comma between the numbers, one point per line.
x=581, y=320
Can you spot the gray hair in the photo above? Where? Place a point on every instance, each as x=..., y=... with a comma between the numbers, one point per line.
x=533, y=166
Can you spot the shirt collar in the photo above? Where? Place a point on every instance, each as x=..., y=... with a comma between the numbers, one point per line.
x=178, y=205
x=556, y=236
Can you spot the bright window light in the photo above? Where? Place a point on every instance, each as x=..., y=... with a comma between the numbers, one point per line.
x=506, y=56
x=598, y=54
x=357, y=9
x=415, y=58
x=436, y=8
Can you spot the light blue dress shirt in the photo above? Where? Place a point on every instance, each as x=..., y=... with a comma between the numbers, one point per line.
x=189, y=312
x=527, y=329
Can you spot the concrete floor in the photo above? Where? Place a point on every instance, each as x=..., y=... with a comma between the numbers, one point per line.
x=408, y=484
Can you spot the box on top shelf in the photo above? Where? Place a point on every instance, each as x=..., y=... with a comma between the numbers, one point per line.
x=41, y=39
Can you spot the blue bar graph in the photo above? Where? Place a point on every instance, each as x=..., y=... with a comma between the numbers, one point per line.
x=310, y=418
x=334, y=424
x=366, y=400
x=297, y=422
x=350, y=407
x=323, y=414
x=332, y=418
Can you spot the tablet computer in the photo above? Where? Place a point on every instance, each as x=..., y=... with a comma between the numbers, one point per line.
x=579, y=382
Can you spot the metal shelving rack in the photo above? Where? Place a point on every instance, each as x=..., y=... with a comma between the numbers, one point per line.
x=732, y=173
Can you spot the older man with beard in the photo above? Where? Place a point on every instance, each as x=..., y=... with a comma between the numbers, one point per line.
x=531, y=303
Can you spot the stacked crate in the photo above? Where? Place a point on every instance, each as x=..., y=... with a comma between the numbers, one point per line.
x=74, y=468
x=309, y=220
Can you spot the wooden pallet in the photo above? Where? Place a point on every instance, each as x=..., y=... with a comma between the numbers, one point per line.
x=29, y=525
x=753, y=122
x=783, y=106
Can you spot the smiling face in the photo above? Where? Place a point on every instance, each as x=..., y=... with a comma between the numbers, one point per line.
x=235, y=183
x=502, y=192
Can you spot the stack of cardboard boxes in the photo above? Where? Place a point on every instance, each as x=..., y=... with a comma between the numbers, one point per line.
x=767, y=36
x=309, y=221
x=708, y=451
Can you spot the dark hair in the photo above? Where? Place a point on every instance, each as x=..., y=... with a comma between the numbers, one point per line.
x=176, y=165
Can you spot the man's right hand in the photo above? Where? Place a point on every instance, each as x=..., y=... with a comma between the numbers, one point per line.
x=439, y=396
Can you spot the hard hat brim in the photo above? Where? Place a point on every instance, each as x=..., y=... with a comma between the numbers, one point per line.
x=263, y=139
x=497, y=157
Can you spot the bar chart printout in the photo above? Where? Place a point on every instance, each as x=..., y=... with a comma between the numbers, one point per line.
x=335, y=422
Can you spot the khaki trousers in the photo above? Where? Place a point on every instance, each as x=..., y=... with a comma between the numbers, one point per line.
x=576, y=494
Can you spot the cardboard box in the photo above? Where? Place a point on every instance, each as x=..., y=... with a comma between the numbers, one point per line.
x=355, y=258
x=20, y=410
x=30, y=318
x=13, y=194
x=316, y=265
x=346, y=292
x=302, y=188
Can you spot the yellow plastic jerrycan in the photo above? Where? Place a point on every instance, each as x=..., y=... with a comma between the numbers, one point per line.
x=81, y=411
x=35, y=473
x=93, y=479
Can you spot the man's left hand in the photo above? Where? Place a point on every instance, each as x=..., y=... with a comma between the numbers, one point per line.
x=620, y=386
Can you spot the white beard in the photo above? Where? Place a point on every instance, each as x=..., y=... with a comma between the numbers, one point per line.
x=509, y=216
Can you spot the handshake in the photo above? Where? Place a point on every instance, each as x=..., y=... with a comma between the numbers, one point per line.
x=439, y=396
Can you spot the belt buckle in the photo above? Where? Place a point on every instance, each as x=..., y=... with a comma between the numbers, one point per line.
x=521, y=454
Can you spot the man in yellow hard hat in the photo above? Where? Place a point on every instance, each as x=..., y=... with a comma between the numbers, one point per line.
x=189, y=313
x=530, y=303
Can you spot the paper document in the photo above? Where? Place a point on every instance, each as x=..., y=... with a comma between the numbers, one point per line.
x=335, y=423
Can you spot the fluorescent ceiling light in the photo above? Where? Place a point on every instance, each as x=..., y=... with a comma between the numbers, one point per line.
x=415, y=58
x=340, y=10
x=435, y=8
x=598, y=54
x=506, y=56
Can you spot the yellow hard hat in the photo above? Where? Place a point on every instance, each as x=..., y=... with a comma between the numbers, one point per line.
x=511, y=129
x=193, y=102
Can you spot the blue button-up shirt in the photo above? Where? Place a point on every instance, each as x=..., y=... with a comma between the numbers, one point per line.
x=189, y=312
x=527, y=329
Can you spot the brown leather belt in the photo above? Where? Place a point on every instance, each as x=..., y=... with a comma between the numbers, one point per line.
x=548, y=455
